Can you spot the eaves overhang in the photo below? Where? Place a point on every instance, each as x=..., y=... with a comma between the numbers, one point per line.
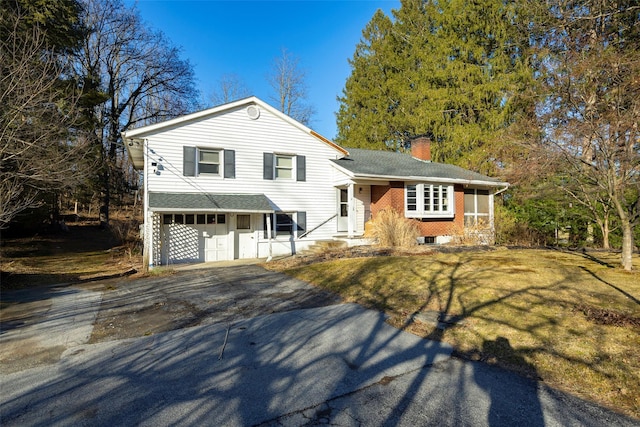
x=421, y=178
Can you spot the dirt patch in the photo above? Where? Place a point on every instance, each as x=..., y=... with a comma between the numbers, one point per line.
x=135, y=308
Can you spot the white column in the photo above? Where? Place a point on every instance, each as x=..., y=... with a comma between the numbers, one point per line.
x=351, y=211
x=270, y=257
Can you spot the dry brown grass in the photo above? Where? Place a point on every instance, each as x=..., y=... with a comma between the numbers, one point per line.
x=568, y=318
x=83, y=253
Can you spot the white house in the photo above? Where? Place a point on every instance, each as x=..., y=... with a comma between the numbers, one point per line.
x=243, y=180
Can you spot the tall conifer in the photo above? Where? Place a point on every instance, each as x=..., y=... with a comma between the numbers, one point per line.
x=450, y=69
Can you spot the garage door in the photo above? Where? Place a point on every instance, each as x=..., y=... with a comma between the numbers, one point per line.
x=215, y=237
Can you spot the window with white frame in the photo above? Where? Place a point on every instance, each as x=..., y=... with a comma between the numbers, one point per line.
x=283, y=167
x=424, y=200
x=208, y=162
x=476, y=207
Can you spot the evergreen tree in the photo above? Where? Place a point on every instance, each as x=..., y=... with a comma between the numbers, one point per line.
x=451, y=69
x=364, y=118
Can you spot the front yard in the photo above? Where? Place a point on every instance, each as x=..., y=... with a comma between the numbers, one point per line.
x=571, y=319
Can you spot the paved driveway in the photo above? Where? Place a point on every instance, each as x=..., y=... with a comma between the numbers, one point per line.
x=283, y=353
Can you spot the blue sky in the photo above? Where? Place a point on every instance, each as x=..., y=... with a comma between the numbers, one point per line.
x=243, y=38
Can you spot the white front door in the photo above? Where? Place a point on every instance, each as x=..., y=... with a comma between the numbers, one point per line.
x=343, y=209
x=245, y=239
x=216, y=238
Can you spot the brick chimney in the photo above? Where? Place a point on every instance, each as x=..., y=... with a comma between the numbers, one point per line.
x=421, y=148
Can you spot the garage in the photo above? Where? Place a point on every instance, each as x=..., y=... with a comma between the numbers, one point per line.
x=194, y=237
x=206, y=227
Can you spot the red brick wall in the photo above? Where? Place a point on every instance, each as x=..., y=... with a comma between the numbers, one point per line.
x=392, y=195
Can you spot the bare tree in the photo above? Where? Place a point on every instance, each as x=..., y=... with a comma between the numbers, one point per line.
x=592, y=108
x=230, y=88
x=287, y=79
x=42, y=149
x=136, y=75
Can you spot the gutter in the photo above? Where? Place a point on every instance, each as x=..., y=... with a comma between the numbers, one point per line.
x=501, y=190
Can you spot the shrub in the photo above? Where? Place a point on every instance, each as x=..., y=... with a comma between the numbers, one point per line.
x=127, y=233
x=390, y=228
x=478, y=234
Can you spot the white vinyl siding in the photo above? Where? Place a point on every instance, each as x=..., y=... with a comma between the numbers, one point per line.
x=310, y=190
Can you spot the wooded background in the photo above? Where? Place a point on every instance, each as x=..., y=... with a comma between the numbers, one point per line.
x=544, y=94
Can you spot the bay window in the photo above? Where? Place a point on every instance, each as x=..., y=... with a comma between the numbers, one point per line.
x=429, y=201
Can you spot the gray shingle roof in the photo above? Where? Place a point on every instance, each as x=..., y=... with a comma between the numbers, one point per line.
x=387, y=164
x=210, y=202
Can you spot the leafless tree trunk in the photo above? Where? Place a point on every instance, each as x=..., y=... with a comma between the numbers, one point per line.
x=593, y=108
x=138, y=75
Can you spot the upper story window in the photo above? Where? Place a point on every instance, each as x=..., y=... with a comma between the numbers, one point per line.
x=209, y=162
x=429, y=201
x=199, y=161
x=283, y=167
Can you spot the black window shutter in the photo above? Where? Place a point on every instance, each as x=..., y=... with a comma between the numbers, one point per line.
x=229, y=163
x=268, y=166
x=301, y=222
x=301, y=173
x=189, y=161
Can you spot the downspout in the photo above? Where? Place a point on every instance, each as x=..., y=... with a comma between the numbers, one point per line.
x=493, y=224
x=501, y=191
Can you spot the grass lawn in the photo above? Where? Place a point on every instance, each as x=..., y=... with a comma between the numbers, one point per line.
x=82, y=253
x=570, y=319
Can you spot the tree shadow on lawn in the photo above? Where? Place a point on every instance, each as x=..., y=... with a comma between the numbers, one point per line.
x=312, y=364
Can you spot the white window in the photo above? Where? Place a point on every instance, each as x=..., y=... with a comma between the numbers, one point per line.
x=476, y=207
x=208, y=162
x=283, y=167
x=429, y=201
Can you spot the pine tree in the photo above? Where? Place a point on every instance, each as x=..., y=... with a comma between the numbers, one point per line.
x=451, y=69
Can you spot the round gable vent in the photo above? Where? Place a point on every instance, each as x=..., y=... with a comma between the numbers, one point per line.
x=253, y=112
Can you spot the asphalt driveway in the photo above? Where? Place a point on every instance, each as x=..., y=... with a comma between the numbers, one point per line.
x=243, y=346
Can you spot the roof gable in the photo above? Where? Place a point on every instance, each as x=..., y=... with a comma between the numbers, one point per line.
x=393, y=165
x=133, y=137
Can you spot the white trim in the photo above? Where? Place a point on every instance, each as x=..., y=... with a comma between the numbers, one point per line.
x=200, y=210
x=252, y=100
x=420, y=211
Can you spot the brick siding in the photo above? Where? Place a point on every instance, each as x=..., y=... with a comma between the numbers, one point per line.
x=383, y=196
